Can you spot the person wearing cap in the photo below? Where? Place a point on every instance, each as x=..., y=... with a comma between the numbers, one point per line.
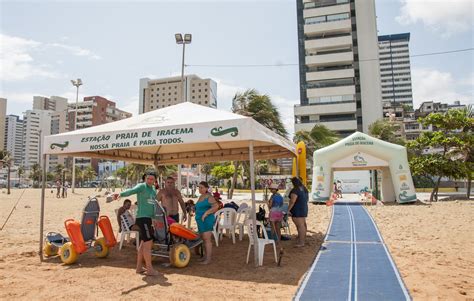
x=275, y=203
x=146, y=210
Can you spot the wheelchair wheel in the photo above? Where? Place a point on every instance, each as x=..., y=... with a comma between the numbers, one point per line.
x=180, y=256
x=50, y=250
x=68, y=253
x=100, y=247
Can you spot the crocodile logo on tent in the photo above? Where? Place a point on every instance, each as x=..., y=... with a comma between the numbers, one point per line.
x=62, y=146
x=218, y=131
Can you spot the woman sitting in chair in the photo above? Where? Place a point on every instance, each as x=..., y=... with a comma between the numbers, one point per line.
x=276, y=210
x=205, y=207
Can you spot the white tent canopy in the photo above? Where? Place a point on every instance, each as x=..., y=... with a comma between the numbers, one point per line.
x=363, y=152
x=184, y=133
x=181, y=134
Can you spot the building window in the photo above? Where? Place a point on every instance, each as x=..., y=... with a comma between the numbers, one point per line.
x=205, y=102
x=199, y=90
x=193, y=91
x=193, y=85
x=157, y=89
x=205, y=90
x=205, y=96
x=194, y=97
x=199, y=96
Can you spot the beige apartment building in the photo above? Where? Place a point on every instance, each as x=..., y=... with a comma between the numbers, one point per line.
x=159, y=93
x=3, y=116
x=339, y=66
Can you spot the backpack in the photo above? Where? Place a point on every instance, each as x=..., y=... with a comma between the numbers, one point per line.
x=232, y=205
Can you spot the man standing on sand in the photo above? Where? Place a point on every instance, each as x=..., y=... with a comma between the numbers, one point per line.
x=146, y=194
x=169, y=198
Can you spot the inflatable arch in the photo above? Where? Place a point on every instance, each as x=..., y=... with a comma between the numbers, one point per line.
x=363, y=152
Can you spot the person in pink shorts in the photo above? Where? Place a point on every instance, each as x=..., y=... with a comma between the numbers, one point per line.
x=276, y=210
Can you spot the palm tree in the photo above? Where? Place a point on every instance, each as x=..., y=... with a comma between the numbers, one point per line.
x=58, y=170
x=260, y=107
x=386, y=131
x=20, y=171
x=6, y=160
x=89, y=173
x=165, y=171
x=35, y=174
x=319, y=136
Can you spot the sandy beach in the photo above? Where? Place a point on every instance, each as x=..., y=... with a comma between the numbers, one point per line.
x=433, y=246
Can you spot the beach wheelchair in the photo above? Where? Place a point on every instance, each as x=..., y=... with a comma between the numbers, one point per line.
x=81, y=236
x=173, y=241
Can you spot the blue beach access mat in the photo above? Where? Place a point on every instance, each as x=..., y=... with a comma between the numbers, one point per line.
x=353, y=262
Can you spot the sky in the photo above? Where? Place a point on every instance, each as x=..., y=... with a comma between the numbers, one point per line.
x=110, y=45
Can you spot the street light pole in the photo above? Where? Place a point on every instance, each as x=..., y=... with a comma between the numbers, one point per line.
x=180, y=40
x=75, y=83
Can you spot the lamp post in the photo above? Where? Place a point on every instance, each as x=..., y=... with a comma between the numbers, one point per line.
x=182, y=41
x=76, y=83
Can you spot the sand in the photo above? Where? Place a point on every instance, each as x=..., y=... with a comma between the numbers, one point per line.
x=22, y=276
x=433, y=247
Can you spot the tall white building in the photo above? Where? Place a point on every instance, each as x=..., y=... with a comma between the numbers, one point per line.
x=339, y=67
x=395, y=72
x=3, y=115
x=159, y=93
x=14, y=138
x=36, y=125
x=58, y=107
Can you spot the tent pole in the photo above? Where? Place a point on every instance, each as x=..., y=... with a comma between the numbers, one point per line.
x=43, y=188
x=254, y=209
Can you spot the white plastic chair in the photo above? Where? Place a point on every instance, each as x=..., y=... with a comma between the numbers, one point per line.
x=225, y=220
x=262, y=242
x=126, y=222
x=242, y=216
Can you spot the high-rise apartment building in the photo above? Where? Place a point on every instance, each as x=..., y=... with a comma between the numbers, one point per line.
x=159, y=93
x=36, y=125
x=14, y=138
x=395, y=75
x=94, y=110
x=339, y=67
x=53, y=103
x=58, y=107
x=3, y=115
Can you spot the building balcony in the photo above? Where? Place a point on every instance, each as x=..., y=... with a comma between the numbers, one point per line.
x=325, y=108
x=326, y=10
x=343, y=125
x=333, y=74
x=342, y=90
x=330, y=59
x=328, y=43
x=328, y=27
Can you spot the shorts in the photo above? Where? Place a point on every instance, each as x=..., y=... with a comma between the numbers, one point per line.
x=276, y=216
x=175, y=217
x=146, y=230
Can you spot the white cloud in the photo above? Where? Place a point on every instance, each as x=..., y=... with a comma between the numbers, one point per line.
x=16, y=61
x=445, y=17
x=17, y=58
x=76, y=50
x=434, y=85
x=131, y=106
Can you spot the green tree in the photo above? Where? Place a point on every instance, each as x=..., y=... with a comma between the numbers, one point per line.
x=386, y=131
x=89, y=173
x=35, y=174
x=223, y=171
x=206, y=169
x=6, y=161
x=260, y=107
x=319, y=136
x=446, y=152
x=20, y=171
x=164, y=171
x=79, y=175
x=58, y=171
